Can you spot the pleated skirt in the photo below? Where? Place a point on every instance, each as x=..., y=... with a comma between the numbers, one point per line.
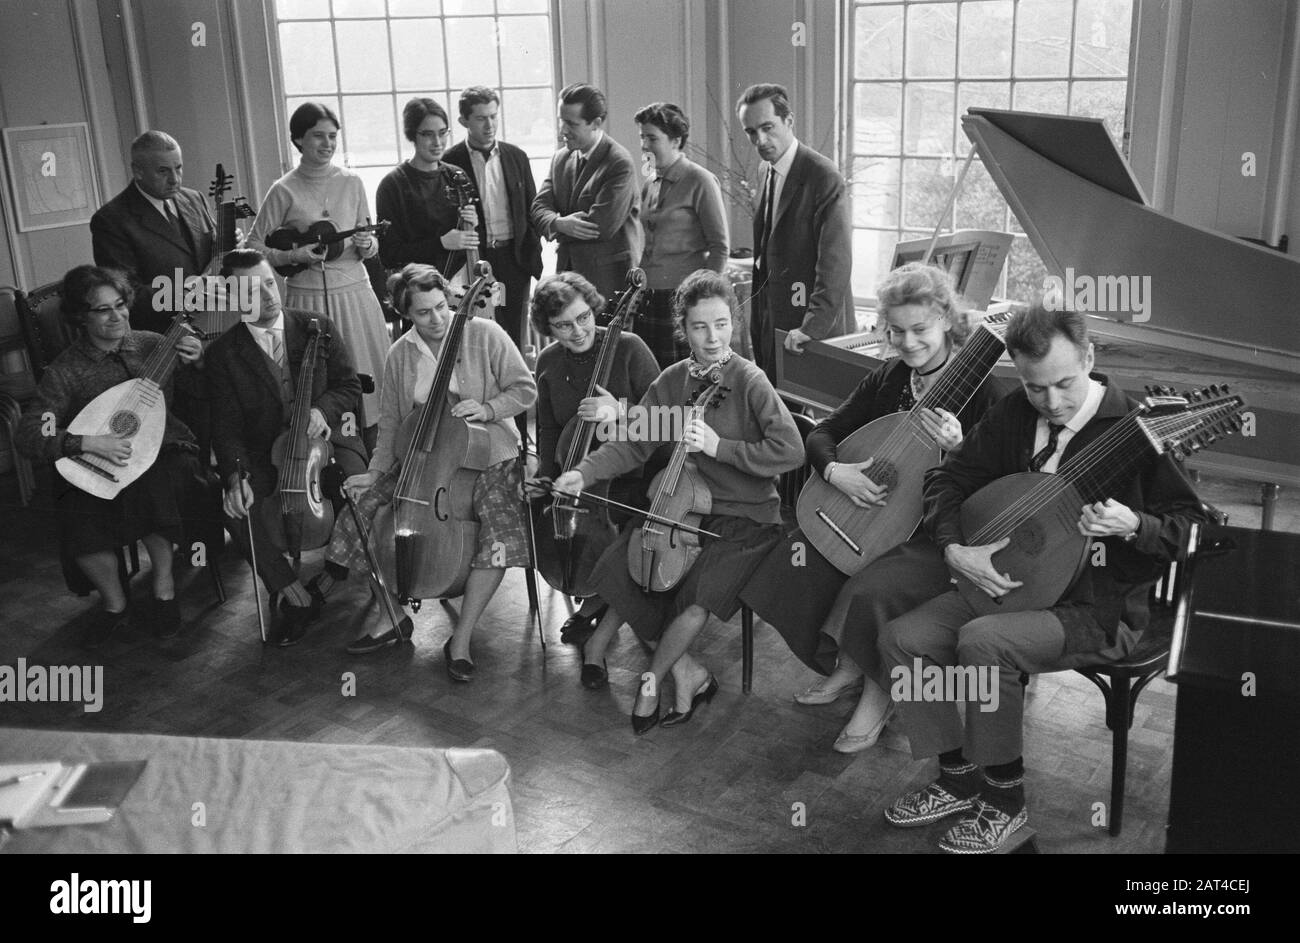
x=356, y=315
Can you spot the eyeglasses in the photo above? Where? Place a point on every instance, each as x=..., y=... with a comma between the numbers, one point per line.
x=118, y=305
x=571, y=327
x=430, y=135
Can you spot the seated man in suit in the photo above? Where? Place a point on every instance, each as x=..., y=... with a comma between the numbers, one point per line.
x=252, y=373
x=1060, y=409
x=589, y=202
x=803, y=237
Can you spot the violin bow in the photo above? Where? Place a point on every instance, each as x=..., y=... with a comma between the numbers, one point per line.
x=539, y=488
x=252, y=550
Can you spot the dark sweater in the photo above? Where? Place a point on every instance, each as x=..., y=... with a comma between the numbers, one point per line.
x=416, y=203
x=1001, y=444
x=562, y=381
x=878, y=395
x=758, y=439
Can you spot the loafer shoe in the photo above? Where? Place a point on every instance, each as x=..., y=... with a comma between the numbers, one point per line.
x=373, y=643
x=458, y=669
x=816, y=695
x=849, y=743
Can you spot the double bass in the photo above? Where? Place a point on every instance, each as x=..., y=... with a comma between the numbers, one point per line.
x=297, y=516
x=569, y=546
x=431, y=516
x=661, y=554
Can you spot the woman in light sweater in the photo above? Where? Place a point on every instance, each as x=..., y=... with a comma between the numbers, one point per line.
x=744, y=440
x=317, y=190
x=492, y=385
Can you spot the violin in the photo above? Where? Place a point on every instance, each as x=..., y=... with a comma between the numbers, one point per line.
x=431, y=516
x=296, y=515
x=320, y=233
x=662, y=554
x=567, y=549
x=461, y=192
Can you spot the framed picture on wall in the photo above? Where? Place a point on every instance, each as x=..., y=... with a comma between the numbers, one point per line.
x=51, y=174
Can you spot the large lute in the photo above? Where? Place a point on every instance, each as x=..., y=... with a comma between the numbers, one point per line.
x=134, y=409
x=849, y=536
x=1040, y=512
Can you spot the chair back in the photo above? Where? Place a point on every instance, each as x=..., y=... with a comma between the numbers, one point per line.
x=791, y=483
x=48, y=335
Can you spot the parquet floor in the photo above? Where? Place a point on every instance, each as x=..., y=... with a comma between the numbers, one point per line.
x=735, y=779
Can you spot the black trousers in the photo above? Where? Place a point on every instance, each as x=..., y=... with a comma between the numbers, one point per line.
x=518, y=289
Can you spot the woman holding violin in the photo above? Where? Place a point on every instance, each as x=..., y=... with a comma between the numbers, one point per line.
x=106, y=352
x=743, y=437
x=566, y=306
x=491, y=384
x=331, y=286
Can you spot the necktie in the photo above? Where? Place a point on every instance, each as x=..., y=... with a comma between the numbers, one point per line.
x=582, y=162
x=1047, y=451
x=174, y=220
x=768, y=210
x=652, y=195
x=277, y=347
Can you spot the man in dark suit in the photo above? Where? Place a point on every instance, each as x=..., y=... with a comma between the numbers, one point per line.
x=504, y=181
x=590, y=201
x=153, y=227
x=252, y=372
x=803, y=237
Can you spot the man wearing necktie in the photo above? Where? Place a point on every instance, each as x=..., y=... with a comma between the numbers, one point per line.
x=589, y=203
x=1060, y=408
x=803, y=240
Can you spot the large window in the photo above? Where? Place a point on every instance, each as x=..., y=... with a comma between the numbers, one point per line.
x=367, y=58
x=915, y=66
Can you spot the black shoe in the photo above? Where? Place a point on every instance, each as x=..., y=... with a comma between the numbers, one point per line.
x=579, y=626
x=675, y=718
x=640, y=724
x=102, y=629
x=458, y=669
x=594, y=677
x=294, y=621
x=166, y=618
x=373, y=643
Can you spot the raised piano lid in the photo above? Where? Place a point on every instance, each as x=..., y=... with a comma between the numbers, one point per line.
x=1082, y=210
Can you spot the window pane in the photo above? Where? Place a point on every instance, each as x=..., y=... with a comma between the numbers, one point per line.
x=414, y=7
x=980, y=204
x=370, y=177
x=471, y=56
x=417, y=54
x=528, y=120
x=877, y=118
x=466, y=7
x=371, y=133
x=928, y=124
x=1047, y=97
x=302, y=9
x=878, y=42
x=1025, y=271
x=525, y=51
x=521, y=6
x=874, y=186
x=873, y=250
x=932, y=40
x=1103, y=100
x=1101, y=36
x=1043, y=37
x=926, y=185
x=306, y=71
x=355, y=8
x=363, y=56
x=986, y=38
x=983, y=94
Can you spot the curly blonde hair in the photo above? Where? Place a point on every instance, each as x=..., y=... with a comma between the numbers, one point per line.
x=917, y=283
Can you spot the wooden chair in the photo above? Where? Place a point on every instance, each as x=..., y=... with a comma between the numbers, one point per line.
x=788, y=487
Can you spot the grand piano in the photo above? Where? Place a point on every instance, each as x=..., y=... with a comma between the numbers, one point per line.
x=1216, y=309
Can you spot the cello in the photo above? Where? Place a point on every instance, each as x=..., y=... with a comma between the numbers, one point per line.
x=431, y=516
x=569, y=547
x=662, y=554
x=296, y=515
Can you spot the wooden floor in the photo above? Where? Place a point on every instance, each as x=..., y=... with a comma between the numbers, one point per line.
x=735, y=779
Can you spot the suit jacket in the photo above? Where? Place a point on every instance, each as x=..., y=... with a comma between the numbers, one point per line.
x=251, y=415
x=520, y=191
x=128, y=233
x=607, y=190
x=811, y=245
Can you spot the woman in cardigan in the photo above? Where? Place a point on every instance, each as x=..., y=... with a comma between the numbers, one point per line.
x=413, y=197
x=107, y=352
x=565, y=306
x=739, y=446
x=317, y=190
x=685, y=224
x=492, y=385
x=924, y=324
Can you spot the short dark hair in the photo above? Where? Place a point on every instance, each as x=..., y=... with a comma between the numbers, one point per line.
x=240, y=259
x=556, y=293
x=415, y=277
x=589, y=97
x=668, y=118
x=698, y=286
x=306, y=116
x=779, y=97
x=416, y=110
x=476, y=95
x=1030, y=332
x=79, y=282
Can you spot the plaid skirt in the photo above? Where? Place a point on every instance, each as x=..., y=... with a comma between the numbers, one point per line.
x=498, y=508
x=714, y=581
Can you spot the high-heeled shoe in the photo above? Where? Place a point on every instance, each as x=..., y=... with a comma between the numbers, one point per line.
x=702, y=696
x=640, y=724
x=580, y=626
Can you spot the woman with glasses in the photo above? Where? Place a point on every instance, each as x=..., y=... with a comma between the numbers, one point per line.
x=106, y=352
x=565, y=306
x=924, y=324
x=317, y=190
